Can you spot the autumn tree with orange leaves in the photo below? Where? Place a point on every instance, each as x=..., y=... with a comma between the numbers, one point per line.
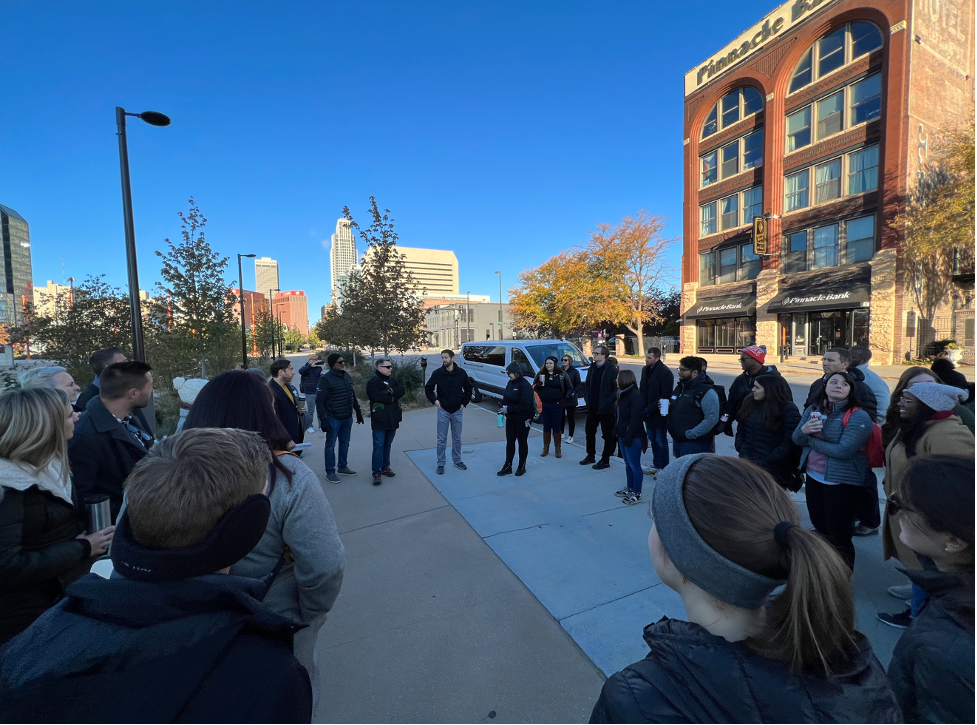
x=616, y=277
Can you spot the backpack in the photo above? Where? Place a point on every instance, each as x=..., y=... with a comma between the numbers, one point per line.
x=723, y=406
x=873, y=449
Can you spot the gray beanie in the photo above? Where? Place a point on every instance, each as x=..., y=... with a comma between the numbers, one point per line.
x=936, y=396
x=693, y=557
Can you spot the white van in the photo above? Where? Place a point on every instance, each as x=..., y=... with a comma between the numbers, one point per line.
x=485, y=362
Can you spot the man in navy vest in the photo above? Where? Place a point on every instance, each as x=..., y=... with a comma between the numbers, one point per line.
x=694, y=411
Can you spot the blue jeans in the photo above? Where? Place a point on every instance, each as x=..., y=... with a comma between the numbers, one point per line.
x=687, y=448
x=550, y=417
x=341, y=429
x=454, y=420
x=658, y=442
x=632, y=463
x=382, y=440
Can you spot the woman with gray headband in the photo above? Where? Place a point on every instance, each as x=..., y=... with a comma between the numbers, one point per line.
x=725, y=536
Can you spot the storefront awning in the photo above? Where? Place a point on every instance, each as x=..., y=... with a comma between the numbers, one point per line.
x=812, y=298
x=732, y=306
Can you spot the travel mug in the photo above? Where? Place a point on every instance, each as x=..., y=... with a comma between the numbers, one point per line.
x=99, y=512
x=300, y=401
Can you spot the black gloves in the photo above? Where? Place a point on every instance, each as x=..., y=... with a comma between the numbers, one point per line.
x=359, y=417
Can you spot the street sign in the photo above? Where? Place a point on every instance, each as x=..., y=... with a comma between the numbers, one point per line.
x=760, y=235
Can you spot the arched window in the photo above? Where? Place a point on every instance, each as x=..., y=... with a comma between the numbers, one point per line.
x=732, y=107
x=834, y=50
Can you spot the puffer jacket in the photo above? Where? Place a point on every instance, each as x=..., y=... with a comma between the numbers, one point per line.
x=309, y=378
x=518, y=399
x=932, y=666
x=691, y=675
x=772, y=450
x=335, y=396
x=39, y=551
x=841, y=445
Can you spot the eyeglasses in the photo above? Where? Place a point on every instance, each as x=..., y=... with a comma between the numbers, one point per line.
x=386, y=366
x=896, y=505
x=682, y=370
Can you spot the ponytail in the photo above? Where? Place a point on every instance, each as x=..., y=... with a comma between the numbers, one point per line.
x=811, y=624
x=745, y=517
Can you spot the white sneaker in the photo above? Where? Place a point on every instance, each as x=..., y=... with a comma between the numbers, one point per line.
x=569, y=439
x=310, y=429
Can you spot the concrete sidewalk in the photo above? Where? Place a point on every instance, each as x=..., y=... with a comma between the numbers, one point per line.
x=431, y=626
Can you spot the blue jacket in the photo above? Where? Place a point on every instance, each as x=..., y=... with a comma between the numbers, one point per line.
x=116, y=650
x=841, y=445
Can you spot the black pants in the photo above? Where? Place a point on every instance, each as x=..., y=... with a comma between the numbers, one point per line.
x=867, y=509
x=516, y=430
x=568, y=420
x=832, y=511
x=606, y=425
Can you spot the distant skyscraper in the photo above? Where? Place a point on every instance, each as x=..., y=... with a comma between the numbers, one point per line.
x=16, y=273
x=435, y=271
x=265, y=275
x=342, y=255
x=291, y=308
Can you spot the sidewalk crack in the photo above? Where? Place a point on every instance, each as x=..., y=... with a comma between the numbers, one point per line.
x=395, y=518
x=524, y=528
x=610, y=601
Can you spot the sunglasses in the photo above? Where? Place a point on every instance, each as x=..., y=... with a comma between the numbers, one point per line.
x=896, y=505
x=386, y=366
x=340, y=362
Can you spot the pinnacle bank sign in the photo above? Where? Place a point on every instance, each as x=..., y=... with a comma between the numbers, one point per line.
x=815, y=298
x=704, y=308
x=772, y=27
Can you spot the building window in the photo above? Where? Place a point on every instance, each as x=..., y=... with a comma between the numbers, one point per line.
x=795, y=259
x=752, y=204
x=752, y=150
x=749, y=263
x=830, y=114
x=731, y=159
x=707, y=219
x=827, y=181
x=707, y=269
x=796, y=191
x=860, y=239
x=727, y=265
x=863, y=170
x=709, y=171
x=826, y=246
x=730, y=212
x=728, y=332
x=866, y=99
x=834, y=50
x=864, y=103
x=731, y=108
x=799, y=129
x=831, y=51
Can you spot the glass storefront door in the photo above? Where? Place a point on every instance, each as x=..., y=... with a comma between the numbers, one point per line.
x=813, y=333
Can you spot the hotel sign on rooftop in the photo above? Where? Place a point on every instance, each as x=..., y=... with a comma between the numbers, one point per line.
x=772, y=27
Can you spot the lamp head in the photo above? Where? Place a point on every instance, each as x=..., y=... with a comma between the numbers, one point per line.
x=154, y=118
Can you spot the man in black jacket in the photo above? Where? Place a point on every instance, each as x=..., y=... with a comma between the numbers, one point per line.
x=171, y=637
x=286, y=399
x=335, y=403
x=601, y=397
x=656, y=383
x=112, y=435
x=384, y=393
x=450, y=389
x=98, y=362
x=309, y=375
x=752, y=362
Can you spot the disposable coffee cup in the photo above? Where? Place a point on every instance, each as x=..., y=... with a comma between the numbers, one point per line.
x=664, y=408
x=99, y=511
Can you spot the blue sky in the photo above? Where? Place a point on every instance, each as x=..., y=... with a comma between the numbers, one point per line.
x=501, y=130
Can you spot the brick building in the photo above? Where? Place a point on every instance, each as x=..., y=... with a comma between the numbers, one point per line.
x=291, y=308
x=255, y=304
x=821, y=115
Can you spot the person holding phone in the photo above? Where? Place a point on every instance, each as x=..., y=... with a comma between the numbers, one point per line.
x=309, y=375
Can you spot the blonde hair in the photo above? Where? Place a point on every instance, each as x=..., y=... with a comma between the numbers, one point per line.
x=179, y=491
x=32, y=427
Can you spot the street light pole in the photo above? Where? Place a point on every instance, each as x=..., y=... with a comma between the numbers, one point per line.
x=154, y=119
x=240, y=289
x=500, y=302
x=281, y=334
x=468, y=318
x=271, y=314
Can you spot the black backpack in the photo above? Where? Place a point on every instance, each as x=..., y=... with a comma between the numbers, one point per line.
x=723, y=406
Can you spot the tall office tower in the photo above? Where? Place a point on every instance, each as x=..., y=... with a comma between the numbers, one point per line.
x=435, y=271
x=265, y=275
x=16, y=274
x=342, y=255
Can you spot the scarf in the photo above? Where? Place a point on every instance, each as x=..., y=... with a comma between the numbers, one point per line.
x=21, y=476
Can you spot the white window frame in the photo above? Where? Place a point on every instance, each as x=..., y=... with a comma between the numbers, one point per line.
x=741, y=112
x=714, y=218
x=846, y=177
x=846, y=114
x=814, y=52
